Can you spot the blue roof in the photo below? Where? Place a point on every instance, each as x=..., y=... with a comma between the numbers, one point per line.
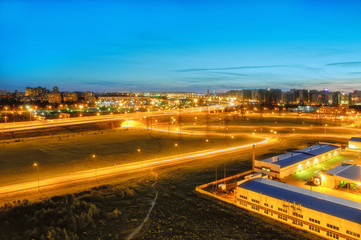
x=355, y=139
x=348, y=171
x=321, y=202
x=300, y=155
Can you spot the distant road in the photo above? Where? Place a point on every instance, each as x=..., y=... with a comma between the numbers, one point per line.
x=31, y=125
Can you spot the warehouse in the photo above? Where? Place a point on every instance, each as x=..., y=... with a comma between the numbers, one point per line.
x=321, y=214
x=289, y=163
x=343, y=176
x=354, y=144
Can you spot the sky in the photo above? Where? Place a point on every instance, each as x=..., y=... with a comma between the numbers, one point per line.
x=184, y=45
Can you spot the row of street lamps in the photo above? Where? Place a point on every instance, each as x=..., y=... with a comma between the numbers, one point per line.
x=36, y=165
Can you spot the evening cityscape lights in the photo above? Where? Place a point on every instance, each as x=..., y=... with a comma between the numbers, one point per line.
x=169, y=119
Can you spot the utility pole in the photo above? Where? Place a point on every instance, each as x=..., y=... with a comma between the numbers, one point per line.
x=216, y=180
x=207, y=122
x=180, y=125
x=226, y=130
x=224, y=177
x=168, y=126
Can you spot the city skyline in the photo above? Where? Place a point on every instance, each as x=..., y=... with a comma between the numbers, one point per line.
x=180, y=46
x=178, y=119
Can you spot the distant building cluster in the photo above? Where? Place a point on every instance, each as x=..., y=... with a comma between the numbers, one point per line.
x=41, y=94
x=297, y=97
x=267, y=97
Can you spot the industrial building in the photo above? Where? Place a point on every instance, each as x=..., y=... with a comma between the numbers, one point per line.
x=354, y=143
x=345, y=176
x=289, y=163
x=320, y=214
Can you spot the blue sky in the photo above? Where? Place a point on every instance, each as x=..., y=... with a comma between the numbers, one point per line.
x=180, y=45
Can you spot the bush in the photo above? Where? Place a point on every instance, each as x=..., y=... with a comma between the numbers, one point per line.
x=60, y=218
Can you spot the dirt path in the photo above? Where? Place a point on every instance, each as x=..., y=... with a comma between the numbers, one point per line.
x=137, y=230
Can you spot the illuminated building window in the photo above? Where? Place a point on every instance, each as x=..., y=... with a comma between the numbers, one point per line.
x=314, y=228
x=283, y=217
x=244, y=197
x=332, y=226
x=331, y=234
x=282, y=210
x=353, y=233
x=314, y=220
x=255, y=201
x=242, y=202
x=297, y=215
x=255, y=207
x=296, y=222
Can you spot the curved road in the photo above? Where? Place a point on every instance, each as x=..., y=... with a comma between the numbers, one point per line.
x=6, y=191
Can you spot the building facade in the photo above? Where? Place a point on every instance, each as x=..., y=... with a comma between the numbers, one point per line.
x=320, y=214
x=289, y=163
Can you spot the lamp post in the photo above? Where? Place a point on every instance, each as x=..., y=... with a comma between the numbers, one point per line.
x=36, y=165
x=141, y=162
x=95, y=167
x=30, y=113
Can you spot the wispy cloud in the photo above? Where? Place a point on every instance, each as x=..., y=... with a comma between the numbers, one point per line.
x=102, y=83
x=346, y=64
x=232, y=68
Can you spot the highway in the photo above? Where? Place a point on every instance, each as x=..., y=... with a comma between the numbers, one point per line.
x=98, y=173
x=31, y=125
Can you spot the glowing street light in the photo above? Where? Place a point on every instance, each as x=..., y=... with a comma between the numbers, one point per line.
x=141, y=162
x=36, y=165
x=95, y=167
x=30, y=110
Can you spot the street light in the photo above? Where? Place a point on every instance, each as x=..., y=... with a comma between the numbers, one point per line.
x=30, y=113
x=95, y=167
x=81, y=110
x=36, y=165
x=141, y=162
